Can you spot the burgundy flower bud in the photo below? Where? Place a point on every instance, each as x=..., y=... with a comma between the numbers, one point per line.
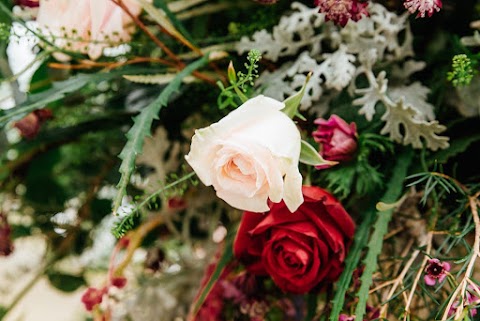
x=338, y=139
x=436, y=271
x=342, y=11
x=119, y=282
x=93, y=297
x=6, y=246
x=28, y=3
x=177, y=203
x=29, y=125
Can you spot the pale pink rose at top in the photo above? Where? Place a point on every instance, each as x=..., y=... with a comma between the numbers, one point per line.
x=251, y=156
x=86, y=26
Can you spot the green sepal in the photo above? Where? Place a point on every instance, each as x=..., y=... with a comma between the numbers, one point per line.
x=310, y=156
x=292, y=102
x=232, y=75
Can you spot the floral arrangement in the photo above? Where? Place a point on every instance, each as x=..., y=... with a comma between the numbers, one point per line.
x=241, y=160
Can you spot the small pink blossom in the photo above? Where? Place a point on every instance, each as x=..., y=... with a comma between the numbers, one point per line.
x=424, y=7
x=436, y=271
x=341, y=11
x=472, y=300
x=344, y=317
x=92, y=297
x=337, y=139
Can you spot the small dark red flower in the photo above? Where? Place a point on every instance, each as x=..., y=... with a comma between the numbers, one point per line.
x=92, y=297
x=341, y=11
x=6, y=246
x=28, y=3
x=119, y=281
x=177, y=203
x=436, y=271
x=337, y=139
x=29, y=126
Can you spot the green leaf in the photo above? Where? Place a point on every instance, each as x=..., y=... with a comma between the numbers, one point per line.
x=163, y=20
x=173, y=18
x=40, y=100
x=310, y=156
x=312, y=304
x=141, y=129
x=292, y=102
x=394, y=190
x=457, y=146
x=3, y=312
x=158, y=79
x=222, y=263
x=232, y=74
x=351, y=263
x=65, y=282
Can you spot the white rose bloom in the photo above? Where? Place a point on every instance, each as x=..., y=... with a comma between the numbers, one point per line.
x=251, y=156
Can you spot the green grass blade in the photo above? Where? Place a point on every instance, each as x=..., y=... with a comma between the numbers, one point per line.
x=394, y=190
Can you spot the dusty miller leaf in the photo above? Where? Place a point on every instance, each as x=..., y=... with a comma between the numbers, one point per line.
x=404, y=117
x=415, y=96
x=371, y=96
x=290, y=35
x=338, y=68
x=141, y=129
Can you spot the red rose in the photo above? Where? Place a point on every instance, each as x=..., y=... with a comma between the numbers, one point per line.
x=298, y=250
x=338, y=139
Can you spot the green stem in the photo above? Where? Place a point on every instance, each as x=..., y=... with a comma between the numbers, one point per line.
x=393, y=192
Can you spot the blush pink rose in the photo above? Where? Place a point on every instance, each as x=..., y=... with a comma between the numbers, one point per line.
x=337, y=139
x=251, y=156
x=86, y=26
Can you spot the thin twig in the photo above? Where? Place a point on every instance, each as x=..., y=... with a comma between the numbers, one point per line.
x=419, y=274
x=462, y=286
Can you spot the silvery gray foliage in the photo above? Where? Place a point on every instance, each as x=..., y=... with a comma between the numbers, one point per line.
x=383, y=38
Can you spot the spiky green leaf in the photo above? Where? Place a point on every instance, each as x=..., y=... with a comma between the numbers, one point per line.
x=141, y=129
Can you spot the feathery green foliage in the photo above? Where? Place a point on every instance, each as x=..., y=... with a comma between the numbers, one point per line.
x=240, y=82
x=462, y=71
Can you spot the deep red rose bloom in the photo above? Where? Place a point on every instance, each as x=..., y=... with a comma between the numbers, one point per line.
x=337, y=139
x=299, y=250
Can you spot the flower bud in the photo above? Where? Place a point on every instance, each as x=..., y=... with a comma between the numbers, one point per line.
x=337, y=139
